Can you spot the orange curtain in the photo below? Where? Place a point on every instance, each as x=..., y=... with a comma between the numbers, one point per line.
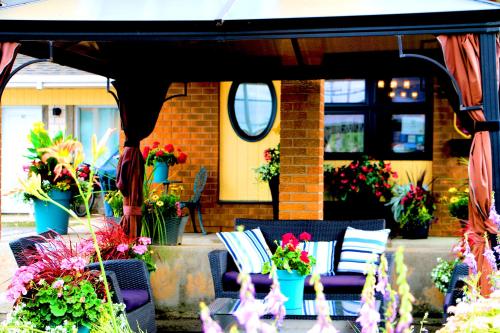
x=461, y=54
x=141, y=99
x=8, y=55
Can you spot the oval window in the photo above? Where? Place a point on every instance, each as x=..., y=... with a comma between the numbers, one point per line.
x=252, y=109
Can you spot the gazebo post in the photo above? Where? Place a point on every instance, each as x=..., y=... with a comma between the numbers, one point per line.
x=489, y=58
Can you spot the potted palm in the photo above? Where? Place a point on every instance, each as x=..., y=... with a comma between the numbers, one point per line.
x=413, y=206
x=270, y=172
x=51, y=160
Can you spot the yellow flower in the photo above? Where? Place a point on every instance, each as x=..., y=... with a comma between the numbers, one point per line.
x=33, y=186
x=466, y=190
x=159, y=203
x=453, y=199
x=68, y=154
x=155, y=197
x=98, y=149
x=452, y=189
x=38, y=127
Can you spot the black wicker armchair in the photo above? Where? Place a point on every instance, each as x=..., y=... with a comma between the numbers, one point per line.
x=455, y=287
x=345, y=286
x=128, y=279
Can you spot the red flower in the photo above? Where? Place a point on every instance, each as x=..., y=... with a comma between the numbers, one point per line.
x=304, y=257
x=364, y=168
x=305, y=236
x=169, y=148
x=267, y=155
x=182, y=158
x=146, y=151
x=159, y=153
x=362, y=177
x=290, y=240
x=156, y=144
x=378, y=193
x=394, y=174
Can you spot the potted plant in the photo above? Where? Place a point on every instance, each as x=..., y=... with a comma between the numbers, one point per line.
x=413, y=206
x=293, y=265
x=51, y=158
x=115, y=202
x=161, y=159
x=458, y=203
x=270, y=172
x=441, y=273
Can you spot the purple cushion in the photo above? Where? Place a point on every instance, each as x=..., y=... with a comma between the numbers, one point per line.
x=134, y=298
x=336, y=284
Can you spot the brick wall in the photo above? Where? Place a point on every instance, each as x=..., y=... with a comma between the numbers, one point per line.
x=445, y=169
x=192, y=124
x=301, y=171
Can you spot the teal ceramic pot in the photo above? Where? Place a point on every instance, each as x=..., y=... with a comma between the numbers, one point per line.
x=83, y=329
x=292, y=286
x=51, y=217
x=160, y=172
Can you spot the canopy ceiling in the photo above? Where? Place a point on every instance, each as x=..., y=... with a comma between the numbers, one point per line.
x=211, y=40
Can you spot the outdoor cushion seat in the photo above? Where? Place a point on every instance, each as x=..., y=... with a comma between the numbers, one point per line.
x=134, y=298
x=332, y=284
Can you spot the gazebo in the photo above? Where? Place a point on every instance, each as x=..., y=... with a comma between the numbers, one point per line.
x=144, y=47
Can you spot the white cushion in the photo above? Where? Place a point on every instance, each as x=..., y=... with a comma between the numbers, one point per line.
x=324, y=252
x=248, y=249
x=360, y=248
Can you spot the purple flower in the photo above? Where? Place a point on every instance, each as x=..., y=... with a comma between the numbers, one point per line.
x=122, y=248
x=469, y=258
x=73, y=263
x=144, y=240
x=493, y=212
x=23, y=276
x=275, y=302
x=323, y=322
x=140, y=249
x=497, y=249
x=209, y=325
x=368, y=318
x=250, y=310
x=490, y=257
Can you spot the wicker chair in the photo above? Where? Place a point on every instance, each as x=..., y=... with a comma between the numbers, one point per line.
x=128, y=279
x=194, y=204
x=455, y=287
x=222, y=263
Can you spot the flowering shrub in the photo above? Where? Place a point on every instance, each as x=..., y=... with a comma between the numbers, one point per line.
x=51, y=159
x=167, y=154
x=361, y=178
x=290, y=256
x=441, y=274
x=115, y=244
x=458, y=202
x=54, y=290
x=271, y=168
x=413, y=203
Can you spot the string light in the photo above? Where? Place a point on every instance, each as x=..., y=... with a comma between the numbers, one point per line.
x=381, y=84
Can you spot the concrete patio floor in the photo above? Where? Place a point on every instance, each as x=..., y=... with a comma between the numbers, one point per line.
x=177, y=300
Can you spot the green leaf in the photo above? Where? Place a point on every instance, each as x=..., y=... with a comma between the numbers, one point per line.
x=58, y=308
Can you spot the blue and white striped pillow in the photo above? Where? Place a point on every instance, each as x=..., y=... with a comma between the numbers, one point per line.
x=360, y=248
x=324, y=252
x=248, y=249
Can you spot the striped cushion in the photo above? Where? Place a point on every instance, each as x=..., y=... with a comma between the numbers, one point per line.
x=248, y=249
x=361, y=247
x=324, y=252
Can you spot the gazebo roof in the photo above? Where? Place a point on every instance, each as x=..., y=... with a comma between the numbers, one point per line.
x=218, y=39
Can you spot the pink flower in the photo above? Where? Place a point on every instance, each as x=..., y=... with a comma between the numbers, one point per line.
x=140, y=249
x=144, y=240
x=23, y=276
x=275, y=302
x=178, y=208
x=305, y=236
x=122, y=248
x=58, y=284
x=304, y=257
x=73, y=263
x=85, y=247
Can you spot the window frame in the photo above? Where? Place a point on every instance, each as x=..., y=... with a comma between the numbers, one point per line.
x=378, y=111
x=232, y=112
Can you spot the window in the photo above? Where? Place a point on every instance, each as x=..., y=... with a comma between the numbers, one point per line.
x=387, y=118
x=96, y=120
x=252, y=109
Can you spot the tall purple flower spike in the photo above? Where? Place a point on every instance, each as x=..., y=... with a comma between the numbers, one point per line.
x=323, y=322
x=275, y=301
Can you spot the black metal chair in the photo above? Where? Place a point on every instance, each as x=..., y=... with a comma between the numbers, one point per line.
x=128, y=279
x=455, y=287
x=194, y=204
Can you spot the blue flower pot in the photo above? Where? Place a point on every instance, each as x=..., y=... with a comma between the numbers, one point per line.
x=160, y=172
x=83, y=329
x=51, y=217
x=292, y=286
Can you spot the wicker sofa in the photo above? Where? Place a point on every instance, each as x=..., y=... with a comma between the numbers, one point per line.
x=129, y=282
x=340, y=286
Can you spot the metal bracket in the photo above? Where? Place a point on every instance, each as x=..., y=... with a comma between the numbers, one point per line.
x=184, y=94
x=487, y=126
x=444, y=69
x=117, y=100
x=26, y=64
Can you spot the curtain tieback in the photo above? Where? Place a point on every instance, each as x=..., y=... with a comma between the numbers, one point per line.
x=132, y=210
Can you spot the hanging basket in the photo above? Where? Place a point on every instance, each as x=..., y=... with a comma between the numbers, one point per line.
x=274, y=186
x=51, y=217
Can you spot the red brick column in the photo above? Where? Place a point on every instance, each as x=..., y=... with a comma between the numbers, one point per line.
x=301, y=172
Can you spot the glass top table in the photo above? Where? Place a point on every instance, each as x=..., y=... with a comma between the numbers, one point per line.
x=340, y=310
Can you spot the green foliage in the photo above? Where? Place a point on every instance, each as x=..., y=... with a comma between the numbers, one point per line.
x=74, y=303
x=458, y=202
x=115, y=201
x=290, y=259
x=441, y=274
x=271, y=168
